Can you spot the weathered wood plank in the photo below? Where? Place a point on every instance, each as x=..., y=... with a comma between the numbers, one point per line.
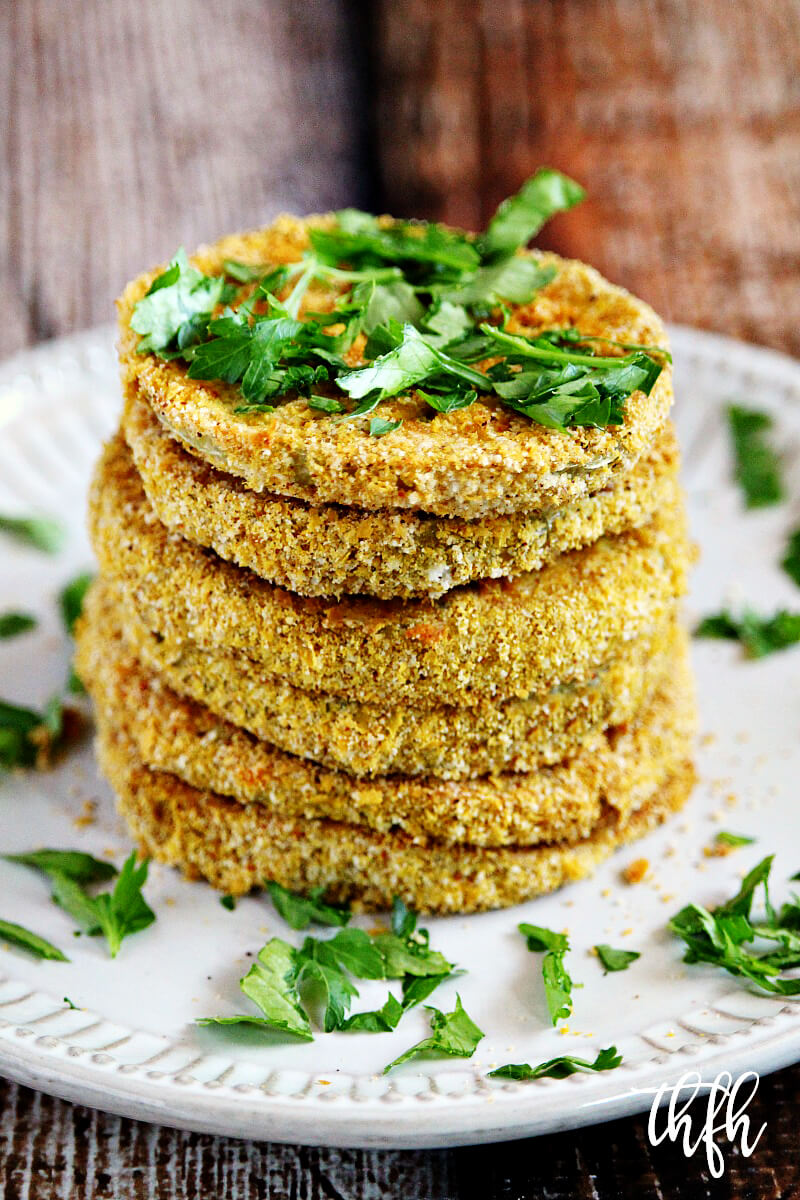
x=50, y=1150
x=682, y=120
x=134, y=128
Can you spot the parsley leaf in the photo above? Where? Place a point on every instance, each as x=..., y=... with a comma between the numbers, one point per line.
x=732, y=839
x=319, y=968
x=271, y=983
x=404, y=956
x=19, y=936
x=12, y=624
x=615, y=960
x=383, y=302
x=381, y=1020
x=401, y=242
x=326, y=404
x=243, y=272
x=520, y=217
x=177, y=307
x=557, y=982
x=378, y=426
x=567, y=387
x=721, y=936
x=515, y=280
x=561, y=1067
x=27, y=736
x=759, y=635
x=450, y=401
x=791, y=559
x=454, y=1034
x=757, y=466
x=400, y=368
x=75, y=864
x=299, y=911
x=115, y=914
x=355, y=951
x=71, y=599
x=228, y=902
x=41, y=532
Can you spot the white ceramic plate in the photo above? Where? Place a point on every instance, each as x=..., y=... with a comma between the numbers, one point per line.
x=131, y=1047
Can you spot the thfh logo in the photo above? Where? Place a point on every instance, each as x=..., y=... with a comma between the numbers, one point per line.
x=727, y=1101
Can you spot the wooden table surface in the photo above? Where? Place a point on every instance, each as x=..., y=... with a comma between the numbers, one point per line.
x=132, y=129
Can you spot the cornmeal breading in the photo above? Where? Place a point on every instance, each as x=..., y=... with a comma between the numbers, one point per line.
x=367, y=739
x=331, y=551
x=480, y=460
x=619, y=768
x=498, y=638
x=236, y=847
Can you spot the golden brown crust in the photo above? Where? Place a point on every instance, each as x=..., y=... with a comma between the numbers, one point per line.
x=369, y=739
x=331, y=551
x=499, y=638
x=483, y=459
x=618, y=769
x=237, y=847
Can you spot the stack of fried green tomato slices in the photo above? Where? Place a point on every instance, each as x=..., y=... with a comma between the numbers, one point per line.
x=391, y=550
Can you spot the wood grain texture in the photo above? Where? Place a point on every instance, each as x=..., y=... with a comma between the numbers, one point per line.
x=135, y=128
x=681, y=119
x=50, y=1150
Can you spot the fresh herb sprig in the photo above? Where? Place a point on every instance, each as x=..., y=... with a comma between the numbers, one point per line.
x=615, y=960
x=759, y=636
x=420, y=294
x=12, y=624
x=757, y=467
x=454, y=1034
x=724, y=936
x=791, y=558
x=732, y=840
x=116, y=913
x=34, y=943
x=560, y=1067
x=557, y=981
x=289, y=984
x=29, y=738
x=43, y=533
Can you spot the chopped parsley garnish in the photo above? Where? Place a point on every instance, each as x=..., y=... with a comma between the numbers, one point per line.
x=423, y=299
x=615, y=960
x=71, y=599
x=733, y=840
x=271, y=983
x=228, y=902
x=758, y=635
x=381, y=1020
x=18, y=935
x=520, y=217
x=176, y=310
x=454, y=1034
x=116, y=913
x=28, y=738
x=12, y=624
x=299, y=911
x=724, y=936
x=757, y=466
x=561, y=1067
x=289, y=984
x=791, y=559
x=75, y=864
x=557, y=982
x=40, y=532
x=378, y=426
